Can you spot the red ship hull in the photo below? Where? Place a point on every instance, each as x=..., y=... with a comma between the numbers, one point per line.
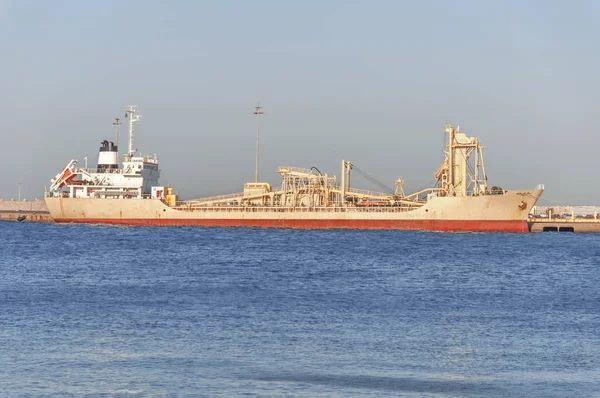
x=426, y=225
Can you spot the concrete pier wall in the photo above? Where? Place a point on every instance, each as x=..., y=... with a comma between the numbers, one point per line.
x=559, y=225
x=33, y=211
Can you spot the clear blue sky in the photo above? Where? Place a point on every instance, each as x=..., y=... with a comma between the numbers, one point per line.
x=368, y=81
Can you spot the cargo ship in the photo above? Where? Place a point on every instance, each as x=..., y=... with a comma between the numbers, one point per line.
x=130, y=194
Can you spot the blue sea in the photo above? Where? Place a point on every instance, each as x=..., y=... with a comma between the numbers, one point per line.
x=101, y=311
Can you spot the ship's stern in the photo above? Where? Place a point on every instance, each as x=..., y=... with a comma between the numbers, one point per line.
x=53, y=203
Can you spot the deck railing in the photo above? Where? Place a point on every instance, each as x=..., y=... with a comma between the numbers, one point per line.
x=186, y=206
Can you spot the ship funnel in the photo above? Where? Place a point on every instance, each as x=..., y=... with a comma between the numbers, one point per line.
x=108, y=156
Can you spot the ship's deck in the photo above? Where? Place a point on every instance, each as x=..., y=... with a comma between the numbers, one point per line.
x=282, y=209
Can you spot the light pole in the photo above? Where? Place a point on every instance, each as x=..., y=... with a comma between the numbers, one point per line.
x=19, y=191
x=258, y=111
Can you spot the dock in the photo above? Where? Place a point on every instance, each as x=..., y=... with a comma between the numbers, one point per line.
x=565, y=219
x=25, y=211
x=564, y=225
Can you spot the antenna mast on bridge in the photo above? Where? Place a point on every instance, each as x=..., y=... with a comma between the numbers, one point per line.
x=130, y=113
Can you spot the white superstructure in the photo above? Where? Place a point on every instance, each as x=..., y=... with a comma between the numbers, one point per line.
x=134, y=179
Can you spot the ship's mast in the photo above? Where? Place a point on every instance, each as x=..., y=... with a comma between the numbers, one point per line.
x=116, y=123
x=450, y=131
x=482, y=179
x=258, y=111
x=345, y=185
x=130, y=113
x=476, y=188
x=457, y=174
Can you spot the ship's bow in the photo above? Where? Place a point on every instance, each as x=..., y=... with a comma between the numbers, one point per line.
x=530, y=198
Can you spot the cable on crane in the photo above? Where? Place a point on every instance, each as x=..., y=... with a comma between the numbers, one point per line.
x=372, y=179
